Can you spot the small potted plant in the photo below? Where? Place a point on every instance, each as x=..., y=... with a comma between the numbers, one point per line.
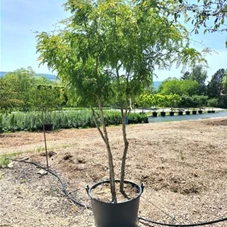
x=162, y=102
x=187, y=112
x=180, y=112
x=173, y=100
x=106, y=54
x=200, y=111
x=194, y=111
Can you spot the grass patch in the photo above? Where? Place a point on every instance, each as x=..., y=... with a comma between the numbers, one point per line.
x=4, y=160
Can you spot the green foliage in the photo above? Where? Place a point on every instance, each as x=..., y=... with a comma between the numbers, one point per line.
x=106, y=49
x=135, y=118
x=47, y=98
x=224, y=82
x=146, y=100
x=199, y=75
x=15, y=88
x=210, y=14
x=193, y=101
x=19, y=91
x=187, y=101
x=4, y=161
x=150, y=100
x=179, y=87
x=216, y=87
x=200, y=100
x=32, y=121
x=173, y=100
x=212, y=102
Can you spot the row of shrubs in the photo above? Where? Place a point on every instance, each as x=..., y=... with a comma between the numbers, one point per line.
x=33, y=121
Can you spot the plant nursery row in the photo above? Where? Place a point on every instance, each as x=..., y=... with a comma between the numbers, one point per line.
x=34, y=121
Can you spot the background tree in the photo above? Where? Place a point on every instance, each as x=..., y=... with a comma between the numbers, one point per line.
x=199, y=75
x=18, y=84
x=215, y=86
x=9, y=99
x=185, y=76
x=170, y=86
x=108, y=52
x=179, y=87
x=46, y=97
x=224, y=82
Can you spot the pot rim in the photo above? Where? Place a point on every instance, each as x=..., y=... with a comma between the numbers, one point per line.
x=89, y=189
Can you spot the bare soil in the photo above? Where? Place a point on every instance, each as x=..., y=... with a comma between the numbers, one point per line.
x=182, y=164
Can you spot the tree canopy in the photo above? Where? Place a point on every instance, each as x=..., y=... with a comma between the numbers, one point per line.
x=179, y=87
x=215, y=86
x=114, y=42
x=199, y=75
x=207, y=14
x=210, y=14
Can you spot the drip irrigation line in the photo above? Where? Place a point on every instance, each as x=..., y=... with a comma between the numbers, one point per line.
x=142, y=220
x=63, y=185
x=183, y=225
x=164, y=212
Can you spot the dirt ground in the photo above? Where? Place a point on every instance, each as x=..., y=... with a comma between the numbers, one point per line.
x=182, y=164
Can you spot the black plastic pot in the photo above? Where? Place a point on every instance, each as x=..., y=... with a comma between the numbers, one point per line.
x=171, y=113
x=154, y=114
x=163, y=114
x=187, y=112
x=180, y=113
x=194, y=112
x=48, y=127
x=212, y=111
x=115, y=214
x=209, y=111
x=200, y=111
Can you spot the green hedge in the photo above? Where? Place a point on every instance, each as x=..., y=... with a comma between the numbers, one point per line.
x=32, y=121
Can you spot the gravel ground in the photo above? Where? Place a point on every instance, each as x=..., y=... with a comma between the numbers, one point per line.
x=182, y=164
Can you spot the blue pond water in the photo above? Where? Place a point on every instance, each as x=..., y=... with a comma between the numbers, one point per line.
x=187, y=117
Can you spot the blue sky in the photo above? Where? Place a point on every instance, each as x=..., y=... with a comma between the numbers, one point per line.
x=21, y=18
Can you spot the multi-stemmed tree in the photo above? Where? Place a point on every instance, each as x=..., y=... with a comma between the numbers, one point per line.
x=108, y=52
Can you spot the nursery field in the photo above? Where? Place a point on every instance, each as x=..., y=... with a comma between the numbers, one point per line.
x=183, y=166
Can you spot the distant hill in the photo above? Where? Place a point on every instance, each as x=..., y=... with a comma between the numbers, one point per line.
x=157, y=84
x=53, y=77
x=2, y=73
x=48, y=76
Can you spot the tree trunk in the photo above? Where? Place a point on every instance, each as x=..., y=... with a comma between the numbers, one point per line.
x=126, y=144
x=104, y=135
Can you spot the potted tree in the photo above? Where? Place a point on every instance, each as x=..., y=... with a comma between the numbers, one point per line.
x=46, y=98
x=153, y=102
x=162, y=102
x=187, y=112
x=106, y=54
x=173, y=100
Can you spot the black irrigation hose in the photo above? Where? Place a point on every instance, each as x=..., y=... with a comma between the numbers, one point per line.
x=64, y=190
x=183, y=225
x=63, y=185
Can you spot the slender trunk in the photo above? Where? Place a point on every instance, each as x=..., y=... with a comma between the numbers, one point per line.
x=104, y=135
x=125, y=151
x=45, y=141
